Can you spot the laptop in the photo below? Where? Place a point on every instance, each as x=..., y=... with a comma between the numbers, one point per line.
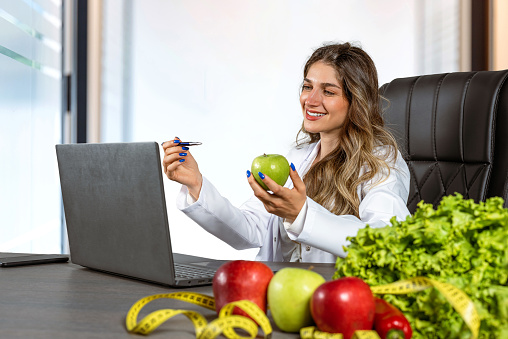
x=115, y=211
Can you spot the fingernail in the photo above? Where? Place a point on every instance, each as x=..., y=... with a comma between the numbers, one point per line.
x=162, y=143
x=182, y=160
x=176, y=141
x=185, y=148
x=293, y=167
x=261, y=175
x=248, y=174
x=183, y=154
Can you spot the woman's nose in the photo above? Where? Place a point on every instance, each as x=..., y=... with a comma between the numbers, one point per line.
x=314, y=98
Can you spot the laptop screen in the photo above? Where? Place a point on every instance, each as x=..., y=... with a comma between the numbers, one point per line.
x=115, y=209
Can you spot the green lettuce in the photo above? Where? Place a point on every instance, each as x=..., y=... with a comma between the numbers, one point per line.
x=461, y=242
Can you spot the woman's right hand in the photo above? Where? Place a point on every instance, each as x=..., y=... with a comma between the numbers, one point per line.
x=180, y=166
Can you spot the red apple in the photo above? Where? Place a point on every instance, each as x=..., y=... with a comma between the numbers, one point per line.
x=241, y=280
x=343, y=306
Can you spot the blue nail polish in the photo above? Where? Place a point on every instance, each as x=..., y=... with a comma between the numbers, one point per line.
x=176, y=141
x=293, y=167
x=248, y=174
x=185, y=148
x=261, y=175
x=182, y=160
x=182, y=154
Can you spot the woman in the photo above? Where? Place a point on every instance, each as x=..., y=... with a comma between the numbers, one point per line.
x=353, y=174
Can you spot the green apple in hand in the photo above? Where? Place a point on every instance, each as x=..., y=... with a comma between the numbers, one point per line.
x=289, y=294
x=273, y=165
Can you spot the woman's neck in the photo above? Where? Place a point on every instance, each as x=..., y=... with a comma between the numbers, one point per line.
x=328, y=144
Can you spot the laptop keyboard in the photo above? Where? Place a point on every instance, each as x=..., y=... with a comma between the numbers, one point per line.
x=193, y=272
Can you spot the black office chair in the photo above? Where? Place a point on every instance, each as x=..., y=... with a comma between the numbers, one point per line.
x=453, y=133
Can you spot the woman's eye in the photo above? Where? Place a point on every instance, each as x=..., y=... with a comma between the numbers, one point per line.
x=328, y=92
x=306, y=88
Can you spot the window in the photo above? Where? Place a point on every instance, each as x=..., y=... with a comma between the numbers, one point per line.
x=30, y=125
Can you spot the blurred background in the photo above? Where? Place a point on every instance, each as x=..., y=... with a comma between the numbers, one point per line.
x=223, y=72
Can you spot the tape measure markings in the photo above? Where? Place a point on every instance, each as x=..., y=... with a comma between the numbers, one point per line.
x=152, y=321
x=252, y=310
x=222, y=325
x=226, y=323
x=194, y=298
x=312, y=332
x=456, y=297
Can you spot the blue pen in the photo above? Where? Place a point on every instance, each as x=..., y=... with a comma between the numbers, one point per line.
x=189, y=143
x=186, y=143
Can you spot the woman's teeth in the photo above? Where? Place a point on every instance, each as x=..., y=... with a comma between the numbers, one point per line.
x=315, y=114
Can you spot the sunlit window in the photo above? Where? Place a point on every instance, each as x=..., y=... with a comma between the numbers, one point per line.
x=30, y=125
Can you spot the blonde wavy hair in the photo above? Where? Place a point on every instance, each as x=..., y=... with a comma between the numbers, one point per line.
x=333, y=181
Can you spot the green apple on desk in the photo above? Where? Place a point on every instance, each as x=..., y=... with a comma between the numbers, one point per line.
x=273, y=165
x=289, y=295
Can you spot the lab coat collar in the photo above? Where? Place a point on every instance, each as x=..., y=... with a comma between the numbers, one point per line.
x=311, y=154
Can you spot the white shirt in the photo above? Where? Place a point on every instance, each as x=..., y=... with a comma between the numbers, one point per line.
x=322, y=234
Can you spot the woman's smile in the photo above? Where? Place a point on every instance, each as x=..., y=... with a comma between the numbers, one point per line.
x=314, y=115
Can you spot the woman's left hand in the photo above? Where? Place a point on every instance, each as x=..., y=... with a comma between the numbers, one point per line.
x=283, y=202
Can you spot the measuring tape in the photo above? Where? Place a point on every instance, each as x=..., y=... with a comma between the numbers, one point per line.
x=225, y=323
x=458, y=299
x=312, y=333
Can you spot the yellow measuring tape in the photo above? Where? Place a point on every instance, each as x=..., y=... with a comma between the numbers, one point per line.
x=312, y=333
x=458, y=299
x=225, y=323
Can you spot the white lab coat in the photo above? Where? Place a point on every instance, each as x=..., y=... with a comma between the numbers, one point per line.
x=323, y=234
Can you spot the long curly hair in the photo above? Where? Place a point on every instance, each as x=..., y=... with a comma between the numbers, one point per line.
x=333, y=181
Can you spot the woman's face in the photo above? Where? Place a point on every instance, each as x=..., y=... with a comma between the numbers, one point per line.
x=324, y=105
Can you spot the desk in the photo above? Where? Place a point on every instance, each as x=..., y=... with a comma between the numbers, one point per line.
x=72, y=302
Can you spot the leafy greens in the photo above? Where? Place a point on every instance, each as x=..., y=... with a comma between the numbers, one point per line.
x=461, y=242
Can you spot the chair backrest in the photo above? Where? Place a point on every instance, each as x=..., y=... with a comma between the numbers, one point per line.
x=452, y=130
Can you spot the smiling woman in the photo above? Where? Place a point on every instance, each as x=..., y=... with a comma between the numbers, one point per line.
x=340, y=81
x=352, y=172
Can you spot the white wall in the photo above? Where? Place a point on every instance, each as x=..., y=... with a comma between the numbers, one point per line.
x=227, y=73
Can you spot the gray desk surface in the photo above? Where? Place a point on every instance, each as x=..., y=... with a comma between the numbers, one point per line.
x=72, y=302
